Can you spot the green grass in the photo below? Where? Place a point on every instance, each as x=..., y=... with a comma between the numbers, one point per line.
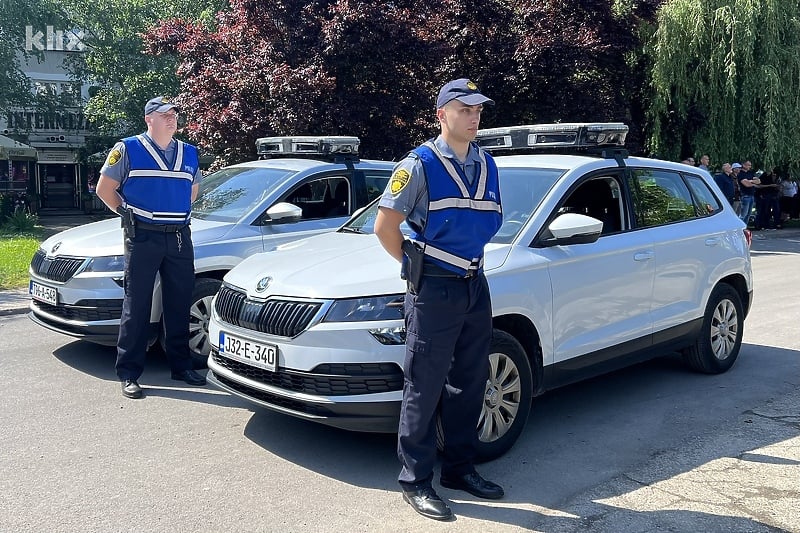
x=16, y=251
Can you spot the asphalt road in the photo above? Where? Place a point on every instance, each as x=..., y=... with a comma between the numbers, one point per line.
x=651, y=448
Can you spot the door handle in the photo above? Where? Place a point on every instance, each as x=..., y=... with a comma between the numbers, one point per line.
x=643, y=256
x=713, y=241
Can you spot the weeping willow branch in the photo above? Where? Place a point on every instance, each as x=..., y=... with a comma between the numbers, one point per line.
x=726, y=80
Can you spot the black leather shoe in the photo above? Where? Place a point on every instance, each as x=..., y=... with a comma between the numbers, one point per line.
x=131, y=389
x=189, y=376
x=475, y=485
x=427, y=503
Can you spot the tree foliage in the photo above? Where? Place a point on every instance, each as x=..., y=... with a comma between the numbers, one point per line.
x=372, y=68
x=15, y=16
x=725, y=79
x=122, y=76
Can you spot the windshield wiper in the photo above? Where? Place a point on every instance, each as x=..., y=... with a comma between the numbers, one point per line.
x=351, y=229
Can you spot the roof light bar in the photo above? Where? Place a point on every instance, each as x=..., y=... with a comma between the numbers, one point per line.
x=307, y=145
x=544, y=136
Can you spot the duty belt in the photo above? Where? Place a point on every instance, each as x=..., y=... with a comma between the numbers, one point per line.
x=435, y=271
x=164, y=228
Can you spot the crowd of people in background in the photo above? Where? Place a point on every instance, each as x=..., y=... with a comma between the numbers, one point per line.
x=772, y=194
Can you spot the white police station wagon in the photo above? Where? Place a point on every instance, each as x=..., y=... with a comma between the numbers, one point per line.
x=308, y=185
x=602, y=260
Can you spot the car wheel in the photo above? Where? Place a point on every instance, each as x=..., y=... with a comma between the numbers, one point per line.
x=717, y=347
x=199, y=316
x=507, y=400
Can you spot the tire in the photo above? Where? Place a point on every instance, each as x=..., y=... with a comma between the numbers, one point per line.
x=199, y=316
x=507, y=401
x=717, y=347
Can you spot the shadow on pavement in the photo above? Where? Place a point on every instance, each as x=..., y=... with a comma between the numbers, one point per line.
x=571, y=433
x=98, y=361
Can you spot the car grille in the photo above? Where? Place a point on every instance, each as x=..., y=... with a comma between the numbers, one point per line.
x=326, y=379
x=83, y=310
x=285, y=318
x=58, y=269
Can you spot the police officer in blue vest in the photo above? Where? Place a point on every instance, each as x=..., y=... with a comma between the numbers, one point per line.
x=151, y=180
x=447, y=190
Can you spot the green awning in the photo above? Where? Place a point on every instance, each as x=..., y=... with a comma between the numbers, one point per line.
x=11, y=149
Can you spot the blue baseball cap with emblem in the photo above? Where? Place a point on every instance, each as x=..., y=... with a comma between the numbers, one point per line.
x=159, y=104
x=463, y=90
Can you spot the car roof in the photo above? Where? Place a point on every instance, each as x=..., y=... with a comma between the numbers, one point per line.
x=570, y=161
x=299, y=165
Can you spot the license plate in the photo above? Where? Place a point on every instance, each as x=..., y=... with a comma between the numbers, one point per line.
x=253, y=353
x=43, y=293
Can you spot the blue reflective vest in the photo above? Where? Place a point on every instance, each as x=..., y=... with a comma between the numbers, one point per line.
x=157, y=192
x=462, y=217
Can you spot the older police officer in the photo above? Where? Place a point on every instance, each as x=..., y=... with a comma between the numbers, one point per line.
x=151, y=180
x=447, y=190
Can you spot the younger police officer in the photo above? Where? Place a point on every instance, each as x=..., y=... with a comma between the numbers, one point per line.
x=151, y=180
x=447, y=190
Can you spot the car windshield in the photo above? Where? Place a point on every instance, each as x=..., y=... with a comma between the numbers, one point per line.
x=521, y=192
x=230, y=193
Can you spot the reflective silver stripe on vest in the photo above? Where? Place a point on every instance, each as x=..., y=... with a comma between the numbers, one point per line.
x=178, y=157
x=160, y=174
x=154, y=153
x=478, y=205
x=448, y=165
x=451, y=259
x=158, y=216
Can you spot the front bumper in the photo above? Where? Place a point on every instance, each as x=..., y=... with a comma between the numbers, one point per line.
x=291, y=393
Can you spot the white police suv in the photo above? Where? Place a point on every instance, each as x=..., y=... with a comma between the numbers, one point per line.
x=602, y=260
x=305, y=186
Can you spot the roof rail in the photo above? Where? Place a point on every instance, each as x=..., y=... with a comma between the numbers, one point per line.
x=335, y=148
x=553, y=138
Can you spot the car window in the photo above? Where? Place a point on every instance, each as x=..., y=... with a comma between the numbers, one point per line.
x=660, y=197
x=230, y=193
x=704, y=199
x=521, y=192
x=599, y=197
x=376, y=184
x=325, y=197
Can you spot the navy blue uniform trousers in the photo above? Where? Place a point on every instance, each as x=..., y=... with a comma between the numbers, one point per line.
x=171, y=254
x=448, y=334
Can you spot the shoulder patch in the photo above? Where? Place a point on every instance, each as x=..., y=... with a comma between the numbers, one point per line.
x=399, y=180
x=114, y=157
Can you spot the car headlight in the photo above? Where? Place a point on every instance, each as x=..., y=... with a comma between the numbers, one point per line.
x=112, y=263
x=366, y=309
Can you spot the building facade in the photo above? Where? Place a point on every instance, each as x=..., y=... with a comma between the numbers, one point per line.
x=57, y=129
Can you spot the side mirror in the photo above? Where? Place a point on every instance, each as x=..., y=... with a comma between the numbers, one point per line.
x=572, y=228
x=283, y=212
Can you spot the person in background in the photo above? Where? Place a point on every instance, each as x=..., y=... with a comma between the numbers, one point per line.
x=768, y=211
x=151, y=180
x=788, y=199
x=724, y=181
x=737, y=195
x=747, y=190
x=704, y=162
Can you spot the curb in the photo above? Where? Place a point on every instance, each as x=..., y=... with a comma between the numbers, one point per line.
x=14, y=302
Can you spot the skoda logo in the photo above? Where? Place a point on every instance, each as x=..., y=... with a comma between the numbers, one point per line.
x=263, y=283
x=55, y=247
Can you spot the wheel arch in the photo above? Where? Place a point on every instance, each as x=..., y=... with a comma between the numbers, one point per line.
x=523, y=330
x=739, y=284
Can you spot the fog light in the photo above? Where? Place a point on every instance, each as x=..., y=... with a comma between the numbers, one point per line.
x=390, y=336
